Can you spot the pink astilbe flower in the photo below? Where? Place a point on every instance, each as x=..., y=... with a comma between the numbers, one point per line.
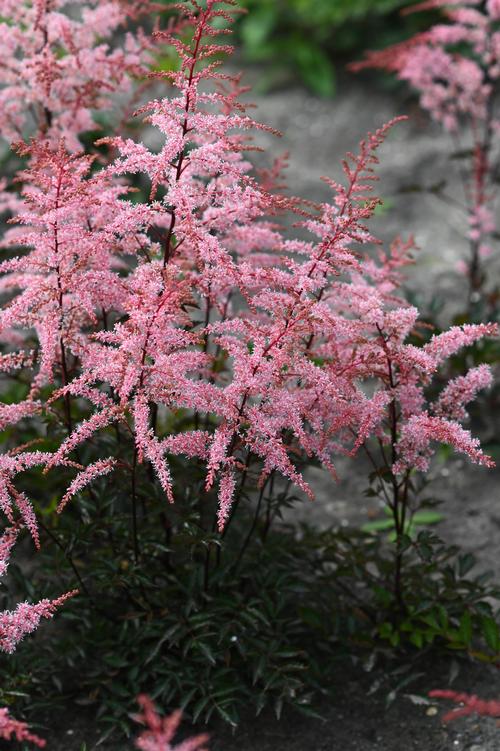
x=97, y=469
x=57, y=290
x=15, y=624
x=160, y=731
x=10, y=498
x=195, y=301
x=462, y=390
x=7, y=541
x=419, y=431
x=11, y=729
x=13, y=413
x=455, y=66
x=227, y=487
x=472, y=704
x=59, y=67
x=451, y=84
x=442, y=346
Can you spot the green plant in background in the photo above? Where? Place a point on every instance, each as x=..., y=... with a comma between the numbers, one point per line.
x=305, y=37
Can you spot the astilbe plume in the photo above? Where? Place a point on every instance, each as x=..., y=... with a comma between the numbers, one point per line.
x=455, y=66
x=208, y=195
x=58, y=289
x=60, y=65
x=472, y=704
x=371, y=343
x=11, y=729
x=15, y=624
x=160, y=731
x=61, y=286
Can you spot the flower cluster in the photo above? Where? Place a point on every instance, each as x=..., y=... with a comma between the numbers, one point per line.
x=14, y=625
x=160, y=731
x=455, y=66
x=452, y=84
x=197, y=300
x=15, y=729
x=59, y=67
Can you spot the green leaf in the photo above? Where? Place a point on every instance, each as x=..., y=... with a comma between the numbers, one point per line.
x=465, y=628
x=315, y=68
x=490, y=631
x=466, y=563
x=207, y=652
x=228, y=714
x=427, y=517
x=199, y=707
x=417, y=638
x=380, y=525
x=258, y=26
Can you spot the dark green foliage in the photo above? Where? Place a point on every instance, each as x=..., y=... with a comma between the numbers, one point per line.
x=305, y=38
x=219, y=626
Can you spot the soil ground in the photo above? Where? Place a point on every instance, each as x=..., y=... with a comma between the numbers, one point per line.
x=317, y=134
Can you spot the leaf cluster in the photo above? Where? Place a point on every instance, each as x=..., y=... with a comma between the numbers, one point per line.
x=269, y=629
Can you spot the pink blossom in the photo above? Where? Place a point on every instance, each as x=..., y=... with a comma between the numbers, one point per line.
x=15, y=624
x=97, y=469
x=159, y=731
x=493, y=7
x=10, y=497
x=449, y=342
x=148, y=445
x=13, y=413
x=7, y=541
x=15, y=729
x=418, y=433
x=61, y=67
x=454, y=66
x=195, y=302
x=462, y=390
x=226, y=495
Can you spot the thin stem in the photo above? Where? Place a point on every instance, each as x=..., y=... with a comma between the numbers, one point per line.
x=60, y=301
x=399, y=501
x=68, y=557
x=252, y=528
x=134, y=506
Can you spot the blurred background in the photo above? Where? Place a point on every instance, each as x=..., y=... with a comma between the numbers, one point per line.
x=312, y=40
